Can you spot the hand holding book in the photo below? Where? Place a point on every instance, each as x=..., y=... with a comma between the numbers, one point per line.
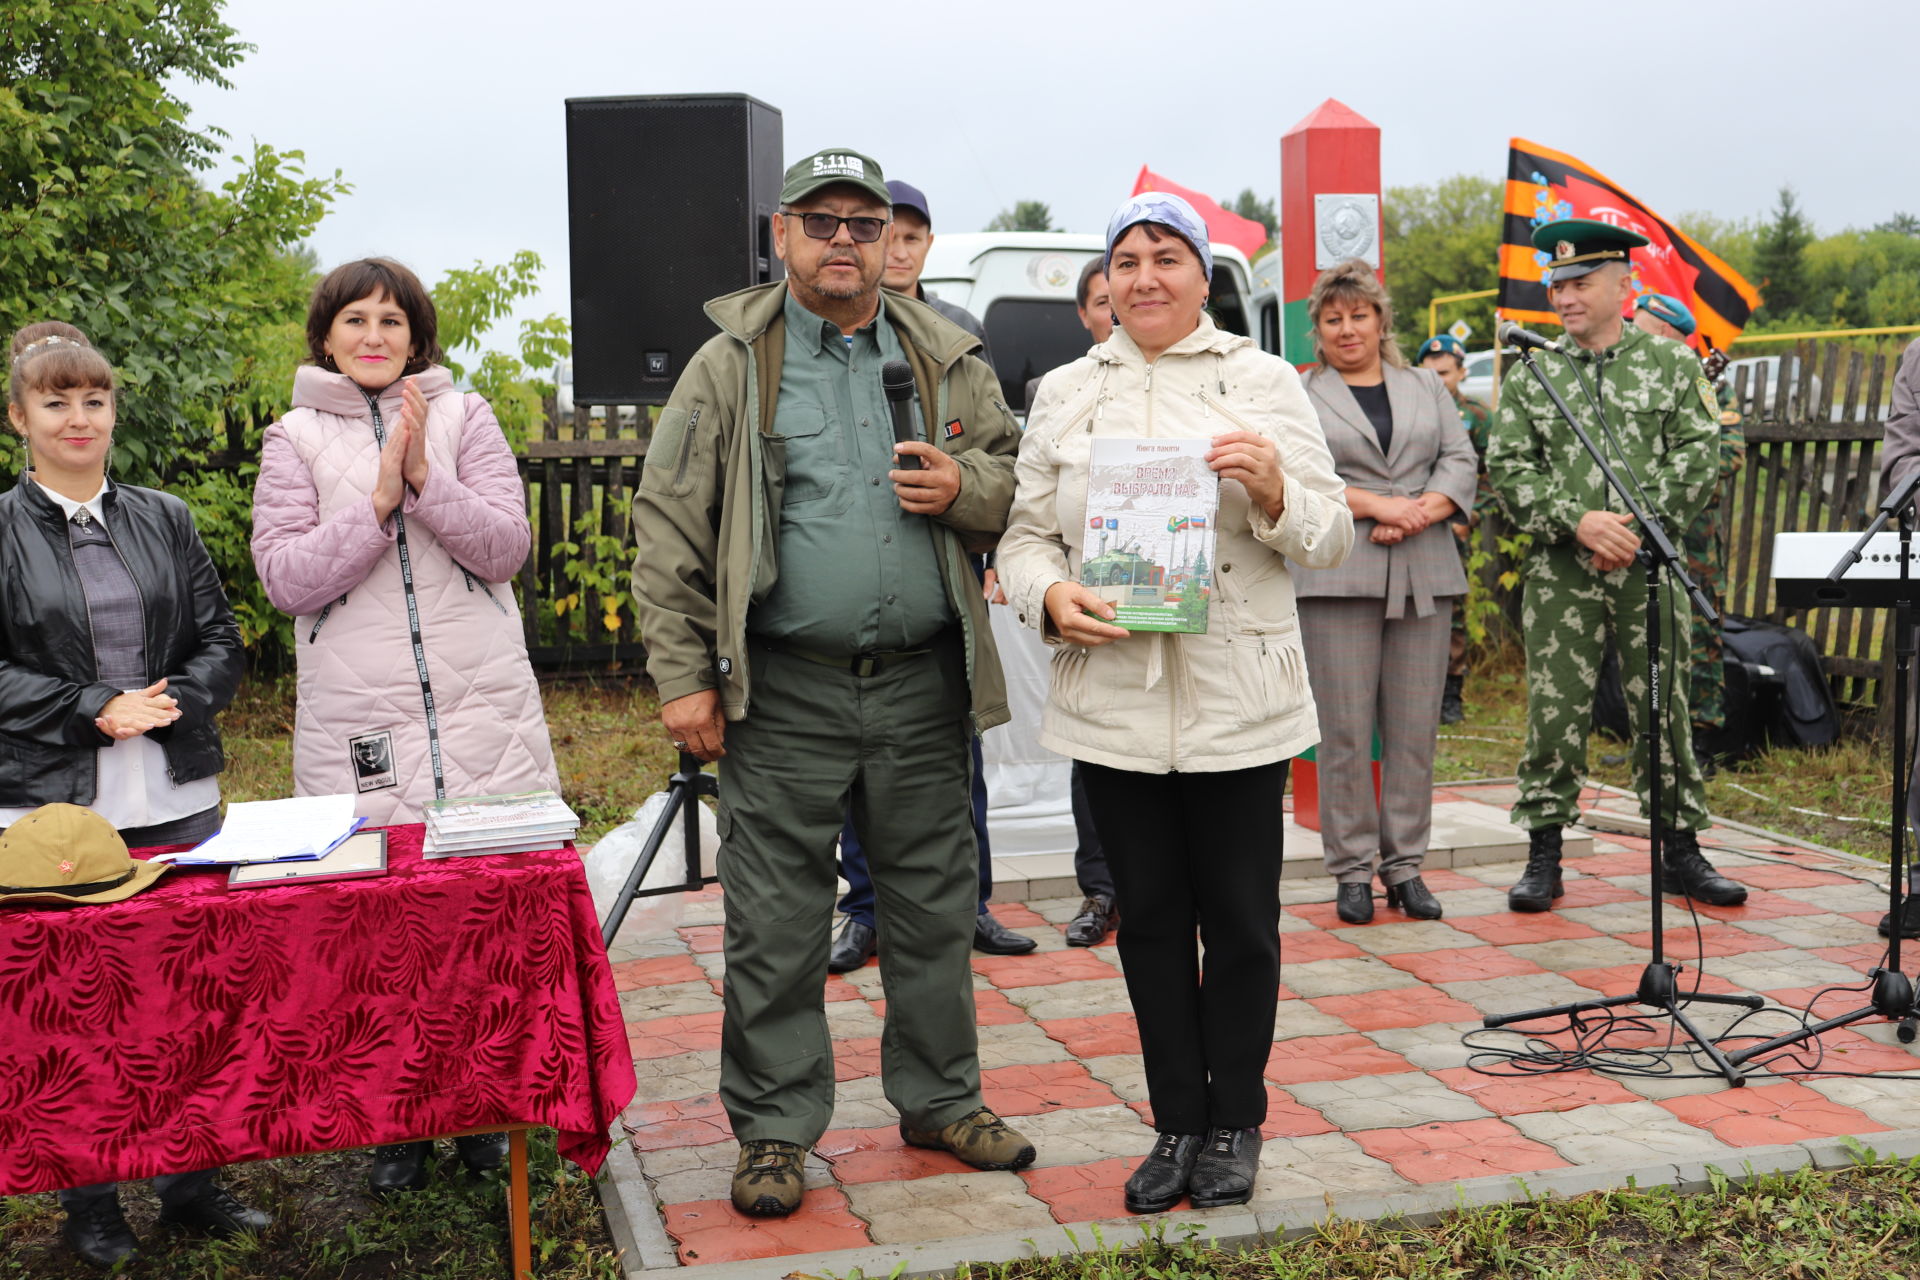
x=1080, y=615
x=1253, y=460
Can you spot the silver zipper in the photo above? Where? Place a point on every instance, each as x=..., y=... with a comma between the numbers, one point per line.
x=686, y=454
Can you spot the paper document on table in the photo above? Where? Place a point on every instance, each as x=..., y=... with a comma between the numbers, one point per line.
x=275, y=831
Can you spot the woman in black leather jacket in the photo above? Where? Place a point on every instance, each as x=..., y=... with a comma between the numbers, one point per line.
x=117, y=649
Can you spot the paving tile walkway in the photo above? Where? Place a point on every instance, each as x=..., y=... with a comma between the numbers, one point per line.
x=1371, y=1091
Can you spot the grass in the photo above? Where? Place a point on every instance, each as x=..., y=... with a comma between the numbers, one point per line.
x=1861, y=1223
x=326, y=1225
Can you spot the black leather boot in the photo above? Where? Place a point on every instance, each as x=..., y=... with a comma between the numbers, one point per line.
x=99, y=1233
x=1161, y=1180
x=214, y=1211
x=482, y=1152
x=1097, y=917
x=1413, y=897
x=1451, y=709
x=1353, y=903
x=1689, y=872
x=1540, y=883
x=1909, y=919
x=399, y=1166
x=1225, y=1171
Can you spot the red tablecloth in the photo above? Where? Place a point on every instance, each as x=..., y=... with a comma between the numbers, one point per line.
x=193, y=1025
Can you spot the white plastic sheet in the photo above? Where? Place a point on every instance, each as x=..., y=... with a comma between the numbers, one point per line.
x=1029, y=799
x=611, y=860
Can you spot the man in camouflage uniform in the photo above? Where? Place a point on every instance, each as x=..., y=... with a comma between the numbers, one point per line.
x=1582, y=577
x=1704, y=545
x=1447, y=357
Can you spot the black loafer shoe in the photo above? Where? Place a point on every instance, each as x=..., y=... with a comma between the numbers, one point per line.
x=1097, y=917
x=1413, y=897
x=99, y=1234
x=1354, y=903
x=994, y=938
x=853, y=948
x=214, y=1212
x=1161, y=1180
x=1226, y=1168
x=399, y=1166
x=482, y=1152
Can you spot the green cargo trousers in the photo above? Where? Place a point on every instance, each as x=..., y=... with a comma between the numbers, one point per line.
x=1566, y=613
x=892, y=748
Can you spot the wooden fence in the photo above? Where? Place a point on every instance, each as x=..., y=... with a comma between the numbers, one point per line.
x=1812, y=464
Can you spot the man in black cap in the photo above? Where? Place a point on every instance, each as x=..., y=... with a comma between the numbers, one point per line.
x=1662, y=431
x=907, y=258
x=811, y=615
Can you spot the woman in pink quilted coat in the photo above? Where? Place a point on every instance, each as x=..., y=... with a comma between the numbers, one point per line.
x=388, y=519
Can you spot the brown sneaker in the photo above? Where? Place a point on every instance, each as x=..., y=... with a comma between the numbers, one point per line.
x=769, y=1180
x=980, y=1137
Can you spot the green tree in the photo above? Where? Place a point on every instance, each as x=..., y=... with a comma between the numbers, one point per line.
x=1248, y=205
x=1780, y=258
x=469, y=302
x=1443, y=239
x=1901, y=224
x=1026, y=215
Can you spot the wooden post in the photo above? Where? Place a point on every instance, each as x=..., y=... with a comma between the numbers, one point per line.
x=519, y=1206
x=1329, y=208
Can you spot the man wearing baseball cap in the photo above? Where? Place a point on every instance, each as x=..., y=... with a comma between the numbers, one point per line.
x=907, y=258
x=1582, y=579
x=811, y=615
x=1446, y=355
x=1704, y=545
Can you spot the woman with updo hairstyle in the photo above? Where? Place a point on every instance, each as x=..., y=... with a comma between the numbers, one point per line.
x=1376, y=628
x=389, y=520
x=117, y=650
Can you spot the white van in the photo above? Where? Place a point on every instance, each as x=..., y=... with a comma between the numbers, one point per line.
x=1020, y=284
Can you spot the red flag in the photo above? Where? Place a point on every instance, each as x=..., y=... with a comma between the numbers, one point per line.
x=1545, y=186
x=1244, y=234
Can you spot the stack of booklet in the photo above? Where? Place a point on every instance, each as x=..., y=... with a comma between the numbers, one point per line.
x=498, y=824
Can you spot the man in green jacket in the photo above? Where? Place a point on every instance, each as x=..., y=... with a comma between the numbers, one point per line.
x=809, y=613
x=1582, y=578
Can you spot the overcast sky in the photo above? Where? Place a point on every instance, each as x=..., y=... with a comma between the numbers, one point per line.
x=448, y=119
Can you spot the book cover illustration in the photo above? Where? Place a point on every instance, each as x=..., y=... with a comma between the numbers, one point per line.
x=1151, y=510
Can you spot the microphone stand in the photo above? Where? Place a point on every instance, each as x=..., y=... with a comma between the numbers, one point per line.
x=683, y=790
x=1659, y=986
x=1893, y=993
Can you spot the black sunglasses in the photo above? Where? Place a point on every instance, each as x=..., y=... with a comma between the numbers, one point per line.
x=825, y=226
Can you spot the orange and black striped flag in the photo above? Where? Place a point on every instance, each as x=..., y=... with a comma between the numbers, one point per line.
x=1545, y=186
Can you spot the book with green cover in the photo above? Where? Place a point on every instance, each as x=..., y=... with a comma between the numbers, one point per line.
x=1151, y=509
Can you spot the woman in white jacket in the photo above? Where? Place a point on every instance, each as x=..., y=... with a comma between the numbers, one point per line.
x=1184, y=739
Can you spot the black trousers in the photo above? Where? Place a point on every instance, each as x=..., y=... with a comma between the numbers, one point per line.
x=1089, y=858
x=1198, y=853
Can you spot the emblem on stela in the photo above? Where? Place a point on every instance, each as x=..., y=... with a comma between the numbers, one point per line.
x=1346, y=226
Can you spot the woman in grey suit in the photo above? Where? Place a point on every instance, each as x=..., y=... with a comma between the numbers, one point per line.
x=1375, y=629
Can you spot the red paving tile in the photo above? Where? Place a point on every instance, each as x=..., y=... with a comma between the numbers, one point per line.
x=1044, y=969
x=1619, y=979
x=1832, y=1000
x=1046, y=1086
x=1096, y=1037
x=710, y=1231
x=1324, y=915
x=1592, y=891
x=1403, y=1007
x=1760, y=904
x=684, y=1122
x=1305, y=948
x=1713, y=940
x=1342, y=1057
x=856, y=1059
x=659, y=971
x=1628, y=862
x=683, y=1033
x=879, y=1155
x=1289, y=1119
x=1510, y=928
x=1787, y=876
x=1526, y=1095
x=1761, y=1115
x=703, y=938
x=838, y=988
x=1861, y=955
x=1454, y=1150
x=1850, y=1051
x=1018, y=915
x=1463, y=964
x=1083, y=1192
x=990, y=1009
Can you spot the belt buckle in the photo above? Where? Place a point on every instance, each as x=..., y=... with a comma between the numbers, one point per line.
x=864, y=665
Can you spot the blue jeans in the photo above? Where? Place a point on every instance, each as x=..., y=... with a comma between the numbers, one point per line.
x=853, y=859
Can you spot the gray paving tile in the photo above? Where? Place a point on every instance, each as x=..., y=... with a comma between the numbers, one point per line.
x=946, y=1206
x=1395, y=1101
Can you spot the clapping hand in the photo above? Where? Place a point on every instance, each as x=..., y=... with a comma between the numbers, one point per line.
x=131, y=714
x=413, y=420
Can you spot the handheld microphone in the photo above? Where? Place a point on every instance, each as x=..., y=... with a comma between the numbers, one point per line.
x=1507, y=333
x=896, y=379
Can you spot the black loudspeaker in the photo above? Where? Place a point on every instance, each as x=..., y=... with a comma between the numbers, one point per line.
x=670, y=203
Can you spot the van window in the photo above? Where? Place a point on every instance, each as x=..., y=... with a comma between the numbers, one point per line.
x=1270, y=328
x=1030, y=337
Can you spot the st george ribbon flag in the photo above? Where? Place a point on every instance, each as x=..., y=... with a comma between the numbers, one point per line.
x=1545, y=186
x=1223, y=227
